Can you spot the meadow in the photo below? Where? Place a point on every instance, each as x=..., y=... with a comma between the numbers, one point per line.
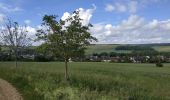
x=88, y=81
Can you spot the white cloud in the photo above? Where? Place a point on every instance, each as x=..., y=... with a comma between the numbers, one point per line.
x=65, y=16
x=32, y=34
x=120, y=7
x=27, y=21
x=31, y=30
x=109, y=8
x=133, y=6
x=133, y=30
x=145, y=3
x=85, y=15
x=132, y=22
x=5, y=8
x=130, y=7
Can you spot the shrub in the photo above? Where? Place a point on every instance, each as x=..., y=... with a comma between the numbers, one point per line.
x=43, y=58
x=159, y=64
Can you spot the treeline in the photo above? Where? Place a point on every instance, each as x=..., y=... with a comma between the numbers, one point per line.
x=133, y=53
x=134, y=48
x=133, y=57
x=43, y=54
x=37, y=54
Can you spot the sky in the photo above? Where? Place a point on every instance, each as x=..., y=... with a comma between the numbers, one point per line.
x=114, y=21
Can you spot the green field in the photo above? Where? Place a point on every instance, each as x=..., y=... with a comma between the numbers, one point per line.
x=98, y=48
x=88, y=81
x=162, y=48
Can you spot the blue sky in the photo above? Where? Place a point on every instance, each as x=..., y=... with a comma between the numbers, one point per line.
x=115, y=21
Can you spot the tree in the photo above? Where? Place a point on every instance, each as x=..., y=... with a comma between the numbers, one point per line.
x=104, y=54
x=65, y=37
x=0, y=48
x=112, y=54
x=15, y=37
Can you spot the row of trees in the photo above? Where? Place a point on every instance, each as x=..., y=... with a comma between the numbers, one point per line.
x=65, y=38
x=134, y=48
x=132, y=57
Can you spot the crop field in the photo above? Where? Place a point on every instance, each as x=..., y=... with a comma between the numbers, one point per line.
x=98, y=48
x=88, y=81
x=162, y=48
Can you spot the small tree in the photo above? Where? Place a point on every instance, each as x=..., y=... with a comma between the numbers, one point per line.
x=15, y=37
x=159, y=61
x=65, y=37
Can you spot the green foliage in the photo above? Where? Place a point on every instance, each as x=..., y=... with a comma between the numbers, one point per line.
x=65, y=37
x=104, y=54
x=43, y=49
x=135, y=48
x=42, y=58
x=89, y=81
x=112, y=54
x=159, y=64
x=43, y=53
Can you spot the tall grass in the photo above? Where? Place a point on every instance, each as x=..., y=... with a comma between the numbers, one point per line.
x=89, y=81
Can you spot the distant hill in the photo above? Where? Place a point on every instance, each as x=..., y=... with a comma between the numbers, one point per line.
x=98, y=48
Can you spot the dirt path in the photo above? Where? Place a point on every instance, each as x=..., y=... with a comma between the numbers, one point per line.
x=8, y=92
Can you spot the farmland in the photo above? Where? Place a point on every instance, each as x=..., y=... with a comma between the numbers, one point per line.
x=98, y=48
x=162, y=48
x=88, y=81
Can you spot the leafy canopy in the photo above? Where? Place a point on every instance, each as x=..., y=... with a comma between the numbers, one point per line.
x=65, y=37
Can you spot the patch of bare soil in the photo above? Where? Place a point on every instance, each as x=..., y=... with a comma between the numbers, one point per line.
x=8, y=92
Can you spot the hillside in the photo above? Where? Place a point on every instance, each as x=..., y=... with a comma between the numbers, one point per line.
x=98, y=48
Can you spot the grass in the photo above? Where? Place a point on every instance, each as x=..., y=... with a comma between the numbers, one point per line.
x=89, y=81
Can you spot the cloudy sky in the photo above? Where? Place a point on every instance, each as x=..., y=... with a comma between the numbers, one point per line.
x=115, y=21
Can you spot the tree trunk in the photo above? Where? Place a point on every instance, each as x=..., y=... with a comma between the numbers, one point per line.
x=16, y=63
x=16, y=58
x=66, y=69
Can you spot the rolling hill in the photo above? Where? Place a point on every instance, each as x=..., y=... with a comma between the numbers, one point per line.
x=98, y=48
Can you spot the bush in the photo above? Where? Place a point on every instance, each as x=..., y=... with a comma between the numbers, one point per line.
x=6, y=57
x=43, y=58
x=159, y=64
